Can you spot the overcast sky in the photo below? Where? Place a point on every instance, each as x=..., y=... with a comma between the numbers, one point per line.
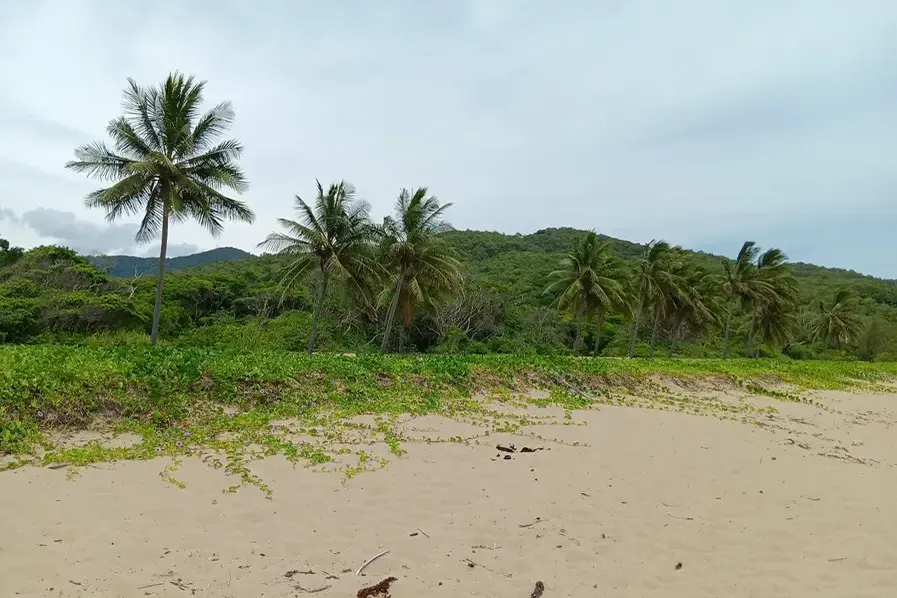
x=703, y=122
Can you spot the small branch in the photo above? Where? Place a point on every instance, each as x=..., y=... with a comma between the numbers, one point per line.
x=315, y=591
x=369, y=561
x=538, y=520
x=472, y=564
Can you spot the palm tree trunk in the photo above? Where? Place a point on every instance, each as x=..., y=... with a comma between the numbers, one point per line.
x=578, y=339
x=673, y=335
x=654, y=335
x=750, y=338
x=390, y=316
x=157, y=308
x=319, y=307
x=598, y=332
x=728, y=332
x=638, y=316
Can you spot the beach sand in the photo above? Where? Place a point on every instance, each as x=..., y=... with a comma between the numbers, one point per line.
x=622, y=501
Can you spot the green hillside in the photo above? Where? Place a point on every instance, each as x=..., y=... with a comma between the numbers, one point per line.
x=223, y=298
x=128, y=265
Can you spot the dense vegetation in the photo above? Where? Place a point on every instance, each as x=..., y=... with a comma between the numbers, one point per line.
x=50, y=294
x=339, y=281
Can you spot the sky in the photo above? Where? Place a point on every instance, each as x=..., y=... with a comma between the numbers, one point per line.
x=703, y=122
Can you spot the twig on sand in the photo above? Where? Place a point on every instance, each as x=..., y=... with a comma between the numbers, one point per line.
x=423, y=532
x=369, y=561
x=537, y=592
x=315, y=591
x=152, y=585
x=810, y=498
x=473, y=564
x=538, y=520
x=682, y=518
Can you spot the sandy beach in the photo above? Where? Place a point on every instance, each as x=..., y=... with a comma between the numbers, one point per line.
x=620, y=501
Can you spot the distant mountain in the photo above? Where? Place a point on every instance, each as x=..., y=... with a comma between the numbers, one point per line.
x=128, y=265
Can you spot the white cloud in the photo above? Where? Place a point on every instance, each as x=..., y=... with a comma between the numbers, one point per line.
x=701, y=122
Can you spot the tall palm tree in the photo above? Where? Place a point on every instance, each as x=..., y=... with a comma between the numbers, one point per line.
x=670, y=287
x=168, y=164
x=836, y=320
x=776, y=321
x=780, y=288
x=694, y=307
x=331, y=238
x=421, y=268
x=652, y=281
x=742, y=285
x=589, y=281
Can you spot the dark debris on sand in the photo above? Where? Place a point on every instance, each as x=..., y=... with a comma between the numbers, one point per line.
x=380, y=590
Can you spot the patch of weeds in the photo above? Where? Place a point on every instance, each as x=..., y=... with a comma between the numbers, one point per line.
x=171, y=398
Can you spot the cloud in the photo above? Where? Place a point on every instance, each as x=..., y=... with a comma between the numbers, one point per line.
x=86, y=237
x=81, y=235
x=703, y=122
x=9, y=215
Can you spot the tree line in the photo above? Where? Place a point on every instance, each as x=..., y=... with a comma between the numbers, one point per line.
x=168, y=162
x=681, y=299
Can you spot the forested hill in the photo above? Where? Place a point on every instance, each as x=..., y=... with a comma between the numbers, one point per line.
x=522, y=263
x=229, y=298
x=127, y=265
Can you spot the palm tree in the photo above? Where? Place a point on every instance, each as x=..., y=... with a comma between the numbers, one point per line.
x=742, y=285
x=652, y=281
x=589, y=281
x=836, y=320
x=332, y=239
x=167, y=164
x=780, y=288
x=695, y=307
x=776, y=319
x=421, y=268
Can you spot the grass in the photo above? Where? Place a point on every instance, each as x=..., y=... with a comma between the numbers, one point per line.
x=223, y=406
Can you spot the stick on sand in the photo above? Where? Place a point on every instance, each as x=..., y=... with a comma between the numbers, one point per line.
x=369, y=561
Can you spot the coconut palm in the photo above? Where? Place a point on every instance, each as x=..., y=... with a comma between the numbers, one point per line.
x=779, y=287
x=742, y=286
x=331, y=239
x=168, y=164
x=776, y=320
x=421, y=269
x=589, y=281
x=652, y=281
x=671, y=287
x=695, y=307
x=836, y=320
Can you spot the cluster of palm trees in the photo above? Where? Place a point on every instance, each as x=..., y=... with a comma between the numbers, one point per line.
x=402, y=265
x=670, y=293
x=167, y=164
